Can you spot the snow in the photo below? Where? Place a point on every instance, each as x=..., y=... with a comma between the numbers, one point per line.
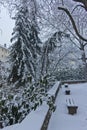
x=61, y=119
x=54, y=89
x=35, y=119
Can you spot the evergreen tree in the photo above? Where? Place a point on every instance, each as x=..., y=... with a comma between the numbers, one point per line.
x=24, y=49
x=34, y=39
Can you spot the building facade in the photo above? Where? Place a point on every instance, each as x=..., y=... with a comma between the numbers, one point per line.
x=4, y=52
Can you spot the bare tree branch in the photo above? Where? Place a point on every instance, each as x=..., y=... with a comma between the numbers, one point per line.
x=73, y=23
x=77, y=7
x=74, y=43
x=84, y=2
x=85, y=44
x=71, y=32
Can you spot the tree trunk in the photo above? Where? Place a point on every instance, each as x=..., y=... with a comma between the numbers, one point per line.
x=84, y=60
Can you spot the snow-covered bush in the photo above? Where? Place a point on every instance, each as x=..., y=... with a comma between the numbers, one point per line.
x=17, y=103
x=70, y=74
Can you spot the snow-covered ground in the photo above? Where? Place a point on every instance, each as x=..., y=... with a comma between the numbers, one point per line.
x=60, y=119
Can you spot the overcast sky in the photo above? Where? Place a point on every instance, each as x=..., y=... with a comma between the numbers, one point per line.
x=6, y=27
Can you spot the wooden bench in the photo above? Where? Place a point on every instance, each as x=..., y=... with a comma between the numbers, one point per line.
x=67, y=92
x=66, y=85
x=72, y=107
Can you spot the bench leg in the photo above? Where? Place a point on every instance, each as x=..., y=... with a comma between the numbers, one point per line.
x=1, y=124
x=72, y=110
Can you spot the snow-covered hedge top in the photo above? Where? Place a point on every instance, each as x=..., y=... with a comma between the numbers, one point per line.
x=53, y=90
x=35, y=119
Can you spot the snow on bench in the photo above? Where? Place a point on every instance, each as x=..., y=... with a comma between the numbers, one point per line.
x=71, y=105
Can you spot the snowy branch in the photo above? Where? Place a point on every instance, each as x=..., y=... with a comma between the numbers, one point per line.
x=73, y=23
x=84, y=2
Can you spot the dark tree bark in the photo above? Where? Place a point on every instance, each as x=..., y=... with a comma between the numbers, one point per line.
x=73, y=23
x=84, y=2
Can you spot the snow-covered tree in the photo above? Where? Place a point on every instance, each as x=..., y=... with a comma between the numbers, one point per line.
x=34, y=39
x=25, y=49
x=57, y=53
x=19, y=51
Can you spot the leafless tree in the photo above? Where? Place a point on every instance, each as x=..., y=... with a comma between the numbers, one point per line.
x=82, y=39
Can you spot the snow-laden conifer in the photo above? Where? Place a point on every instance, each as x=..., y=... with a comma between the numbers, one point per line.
x=25, y=49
